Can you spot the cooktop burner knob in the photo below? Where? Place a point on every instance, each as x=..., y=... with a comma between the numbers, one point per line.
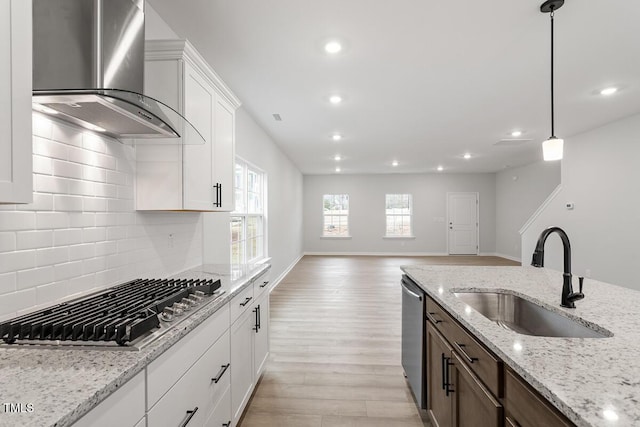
x=199, y=294
x=179, y=308
x=167, y=314
x=188, y=304
x=194, y=299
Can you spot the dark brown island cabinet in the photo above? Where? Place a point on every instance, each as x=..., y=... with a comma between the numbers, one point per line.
x=468, y=386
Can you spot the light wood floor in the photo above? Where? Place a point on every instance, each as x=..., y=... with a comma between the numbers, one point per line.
x=335, y=345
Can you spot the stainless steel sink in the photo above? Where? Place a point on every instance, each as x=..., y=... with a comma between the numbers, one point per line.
x=520, y=315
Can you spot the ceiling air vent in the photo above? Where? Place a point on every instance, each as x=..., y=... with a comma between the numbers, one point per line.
x=277, y=117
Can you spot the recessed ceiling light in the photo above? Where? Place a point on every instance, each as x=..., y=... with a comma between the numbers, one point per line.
x=608, y=91
x=338, y=169
x=333, y=46
x=467, y=156
x=337, y=158
x=394, y=163
x=336, y=137
x=440, y=168
x=335, y=99
x=516, y=133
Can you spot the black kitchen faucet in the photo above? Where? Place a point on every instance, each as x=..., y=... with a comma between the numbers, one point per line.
x=568, y=296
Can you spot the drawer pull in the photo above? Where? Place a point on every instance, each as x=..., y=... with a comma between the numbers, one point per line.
x=223, y=369
x=227, y=424
x=246, y=301
x=461, y=350
x=190, y=415
x=510, y=422
x=264, y=284
x=433, y=319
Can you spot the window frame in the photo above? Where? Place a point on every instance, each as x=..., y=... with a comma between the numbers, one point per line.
x=324, y=215
x=261, y=217
x=387, y=215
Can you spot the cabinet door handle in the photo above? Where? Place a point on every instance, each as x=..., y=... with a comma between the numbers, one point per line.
x=223, y=369
x=246, y=301
x=510, y=422
x=257, y=322
x=190, y=415
x=227, y=424
x=447, y=390
x=442, y=363
x=264, y=284
x=461, y=350
x=218, y=202
x=433, y=319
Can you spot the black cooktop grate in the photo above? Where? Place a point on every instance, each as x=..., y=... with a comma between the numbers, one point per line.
x=120, y=314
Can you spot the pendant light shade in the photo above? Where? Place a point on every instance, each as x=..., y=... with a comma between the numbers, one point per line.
x=552, y=148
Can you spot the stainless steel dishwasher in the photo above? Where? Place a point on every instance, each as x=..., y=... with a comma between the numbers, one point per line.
x=413, y=338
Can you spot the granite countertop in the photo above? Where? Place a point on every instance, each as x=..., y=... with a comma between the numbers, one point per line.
x=593, y=381
x=63, y=385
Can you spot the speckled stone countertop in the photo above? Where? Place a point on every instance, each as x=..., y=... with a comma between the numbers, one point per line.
x=63, y=385
x=593, y=381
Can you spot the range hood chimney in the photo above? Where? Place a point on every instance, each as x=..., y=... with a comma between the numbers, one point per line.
x=88, y=69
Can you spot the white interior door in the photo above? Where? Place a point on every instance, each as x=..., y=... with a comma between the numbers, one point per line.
x=462, y=224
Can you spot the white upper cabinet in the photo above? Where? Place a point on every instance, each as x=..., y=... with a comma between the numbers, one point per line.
x=16, y=180
x=191, y=177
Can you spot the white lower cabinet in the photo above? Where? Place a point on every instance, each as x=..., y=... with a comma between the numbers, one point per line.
x=124, y=407
x=221, y=416
x=242, y=356
x=261, y=337
x=190, y=401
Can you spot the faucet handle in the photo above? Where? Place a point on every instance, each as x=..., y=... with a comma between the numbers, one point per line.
x=581, y=281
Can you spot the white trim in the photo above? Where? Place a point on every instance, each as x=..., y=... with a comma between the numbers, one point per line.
x=509, y=257
x=182, y=49
x=336, y=237
x=376, y=253
x=399, y=237
x=276, y=281
x=541, y=209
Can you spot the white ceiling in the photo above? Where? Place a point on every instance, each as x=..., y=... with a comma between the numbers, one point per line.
x=423, y=81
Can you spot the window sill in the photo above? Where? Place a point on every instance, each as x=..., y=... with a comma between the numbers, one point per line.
x=399, y=237
x=336, y=237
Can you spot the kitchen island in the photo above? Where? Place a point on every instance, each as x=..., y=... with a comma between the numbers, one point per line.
x=56, y=387
x=592, y=381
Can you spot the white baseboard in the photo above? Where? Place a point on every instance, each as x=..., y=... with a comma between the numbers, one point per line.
x=400, y=254
x=286, y=271
x=509, y=257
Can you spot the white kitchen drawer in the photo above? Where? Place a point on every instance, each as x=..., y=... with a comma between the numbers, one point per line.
x=219, y=362
x=163, y=372
x=240, y=303
x=125, y=407
x=221, y=416
x=194, y=390
x=262, y=284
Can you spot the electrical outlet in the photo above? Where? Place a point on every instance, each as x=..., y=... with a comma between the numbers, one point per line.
x=170, y=241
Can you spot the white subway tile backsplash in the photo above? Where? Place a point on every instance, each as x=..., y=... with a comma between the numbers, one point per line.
x=17, y=260
x=51, y=184
x=52, y=256
x=16, y=220
x=67, y=203
x=67, y=270
x=34, y=239
x=69, y=236
x=7, y=283
x=7, y=241
x=82, y=232
x=35, y=277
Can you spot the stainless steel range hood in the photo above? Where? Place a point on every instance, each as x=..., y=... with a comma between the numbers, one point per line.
x=88, y=69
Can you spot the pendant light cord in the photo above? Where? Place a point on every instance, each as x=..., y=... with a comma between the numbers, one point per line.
x=553, y=134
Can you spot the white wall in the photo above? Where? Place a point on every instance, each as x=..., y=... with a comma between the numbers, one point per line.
x=366, y=211
x=519, y=192
x=284, y=208
x=82, y=231
x=600, y=175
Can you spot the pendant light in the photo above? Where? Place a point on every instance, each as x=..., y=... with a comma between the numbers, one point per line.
x=552, y=147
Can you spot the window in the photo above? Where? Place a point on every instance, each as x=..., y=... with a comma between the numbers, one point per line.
x=398, y=210
x=335, y=210
x=248, y=220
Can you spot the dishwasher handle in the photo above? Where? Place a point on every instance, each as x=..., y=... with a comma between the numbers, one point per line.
x=410, y=292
